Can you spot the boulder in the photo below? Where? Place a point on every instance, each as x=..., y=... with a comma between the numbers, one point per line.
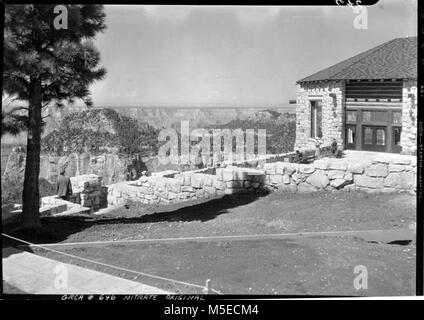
x=306, y=187
x=306, y=169
x=348, y=176
x=210, y=190
x=228, y=174
x=286, y=179
x=335, y=174
x=377, y=170
x=318, y=179
x=357, y=168
x=196, y=182
x=369, y=182
x=397, y=167
x=400, y=180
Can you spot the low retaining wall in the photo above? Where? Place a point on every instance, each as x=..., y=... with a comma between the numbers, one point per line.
x=53, y=205
x=88, y=191
x=391, y=173
x=184, y=186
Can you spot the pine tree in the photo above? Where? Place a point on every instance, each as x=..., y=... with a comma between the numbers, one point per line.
x=47, y=62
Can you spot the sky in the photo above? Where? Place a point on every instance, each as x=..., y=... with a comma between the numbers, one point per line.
x=232, y=55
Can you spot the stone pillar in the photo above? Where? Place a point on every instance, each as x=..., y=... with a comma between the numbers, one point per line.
x=331, y=93
x=409, y=117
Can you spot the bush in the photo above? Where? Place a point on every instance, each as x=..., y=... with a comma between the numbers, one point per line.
x=92, y=130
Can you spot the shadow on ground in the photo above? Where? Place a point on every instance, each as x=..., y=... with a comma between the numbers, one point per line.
x=57, y=229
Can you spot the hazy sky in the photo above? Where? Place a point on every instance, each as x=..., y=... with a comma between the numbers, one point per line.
x=232, y=55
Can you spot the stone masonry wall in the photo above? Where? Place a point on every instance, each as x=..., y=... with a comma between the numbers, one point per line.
x=332, y=112
x=88, y=191
x=409, y=117
x=391, y=173
x=394, y=173
x=185, y=186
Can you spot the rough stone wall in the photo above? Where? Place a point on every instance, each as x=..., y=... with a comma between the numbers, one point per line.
x=409, y=117
x=184, y=186
x=88, y=191
x=394, y=173
x=391, y=173
x=332, y=94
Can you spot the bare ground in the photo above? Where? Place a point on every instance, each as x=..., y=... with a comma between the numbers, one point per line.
x=305, y=266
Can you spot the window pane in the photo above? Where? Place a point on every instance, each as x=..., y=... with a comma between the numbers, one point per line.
x=374, y=116
x=316, y=119
x=397, y=117
x=397, y=132
x=351, y=116
x=319, y=119
x=366, y=116
x=351, y=135
x=313, y=119
x=381, y=137
x=368, y=135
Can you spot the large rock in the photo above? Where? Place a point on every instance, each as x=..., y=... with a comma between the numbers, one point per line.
x=306, y=169
x=401, y=160
x=318, y=179
x=400, y=180
x=335, y=174
x=228, y=174
x=397, y=167
x=306, y=187
x=369, y=182
x=356, y=167
x=377, y=170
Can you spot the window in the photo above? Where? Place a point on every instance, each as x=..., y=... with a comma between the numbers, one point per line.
x=351, y=116
x=396, y=134
x=381, y=137
x=316, y=119
x=397, y=117
x=351, y=134
x=368, y=136
x=374, y=116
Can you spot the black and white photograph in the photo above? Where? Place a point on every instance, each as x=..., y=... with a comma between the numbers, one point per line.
x=196, y=151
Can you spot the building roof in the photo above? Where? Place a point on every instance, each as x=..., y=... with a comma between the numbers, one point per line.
x=395, y=59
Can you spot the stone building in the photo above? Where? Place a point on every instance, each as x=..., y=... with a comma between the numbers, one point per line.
x=367, y=102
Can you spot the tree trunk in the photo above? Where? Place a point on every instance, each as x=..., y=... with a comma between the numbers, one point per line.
x=31, y=193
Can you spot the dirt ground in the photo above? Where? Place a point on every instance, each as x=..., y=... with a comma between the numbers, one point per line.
x=248, y=214
x=301, y=266
x=312, y=266
x=7, y=288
